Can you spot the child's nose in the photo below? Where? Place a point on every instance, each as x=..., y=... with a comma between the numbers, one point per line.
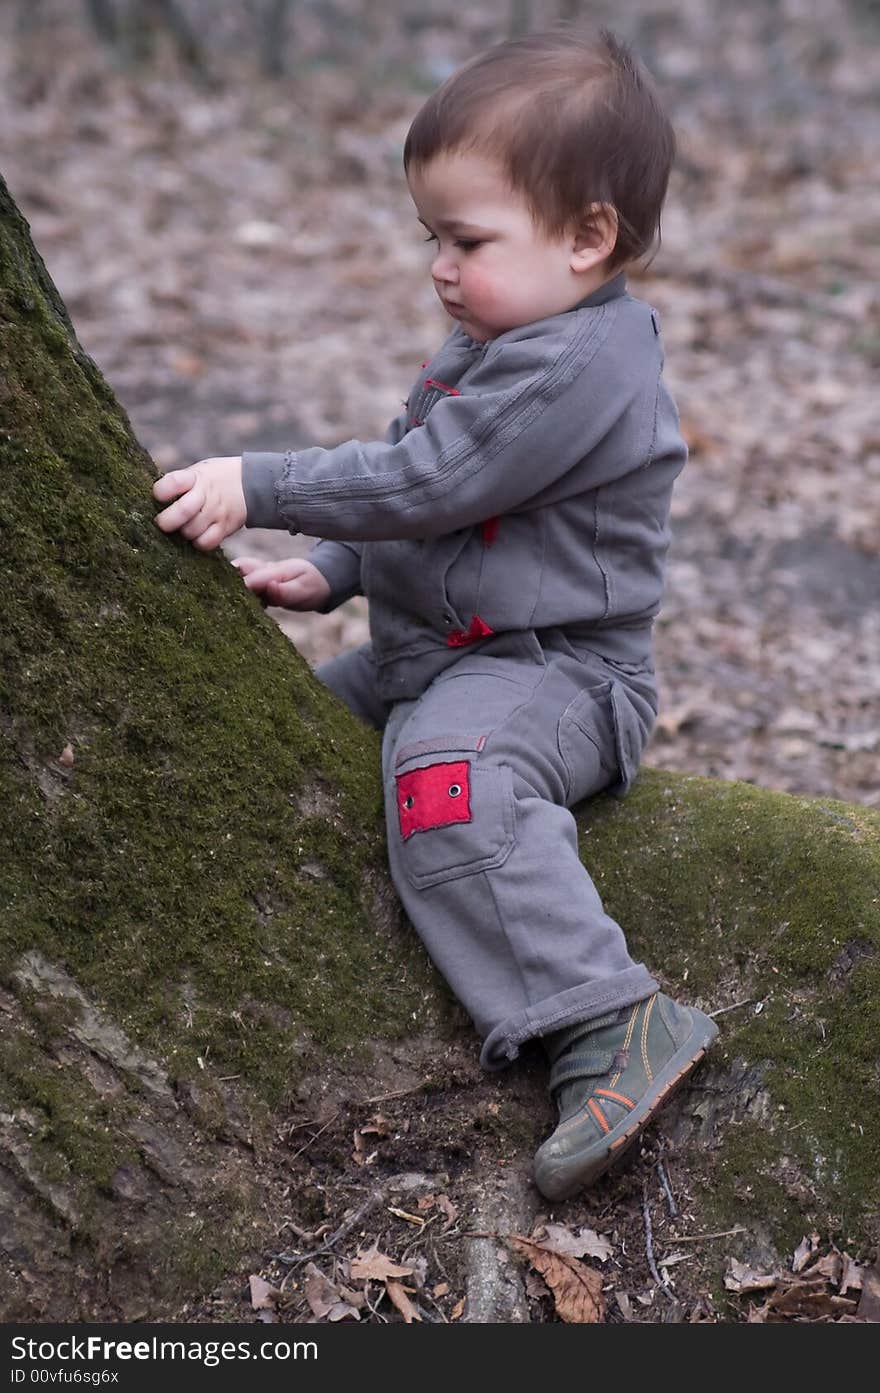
x=443, y=267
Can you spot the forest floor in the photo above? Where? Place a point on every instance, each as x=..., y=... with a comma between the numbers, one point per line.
x=244, y=264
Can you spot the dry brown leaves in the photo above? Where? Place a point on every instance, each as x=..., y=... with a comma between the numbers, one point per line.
x=380, y=1127
x=819, y=1286
x=352, y=1289
x=576, y=1288
x=264, y=1299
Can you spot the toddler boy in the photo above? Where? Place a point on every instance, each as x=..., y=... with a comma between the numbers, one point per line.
x=510, y=534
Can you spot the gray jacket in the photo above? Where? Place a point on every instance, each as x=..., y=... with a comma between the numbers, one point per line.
x=525, y=486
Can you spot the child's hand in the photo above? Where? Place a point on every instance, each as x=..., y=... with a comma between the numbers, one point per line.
x=292, y=583
x=210, y=501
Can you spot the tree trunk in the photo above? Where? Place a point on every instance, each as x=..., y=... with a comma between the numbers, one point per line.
x=197, y=919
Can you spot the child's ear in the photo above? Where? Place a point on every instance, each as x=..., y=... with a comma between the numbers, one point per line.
x=595, y=236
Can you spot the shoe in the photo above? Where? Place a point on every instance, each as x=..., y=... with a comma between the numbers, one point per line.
x=609, y=1077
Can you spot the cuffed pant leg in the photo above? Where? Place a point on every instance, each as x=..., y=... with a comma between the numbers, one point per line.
x=484, y=852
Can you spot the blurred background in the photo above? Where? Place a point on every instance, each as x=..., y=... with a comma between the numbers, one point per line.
x=217, y=189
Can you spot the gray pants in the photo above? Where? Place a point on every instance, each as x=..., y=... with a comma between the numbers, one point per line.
x=479, y=774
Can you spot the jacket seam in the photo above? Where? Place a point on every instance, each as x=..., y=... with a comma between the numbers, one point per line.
x=539, y=588
x=529, y=399
x=606, y=578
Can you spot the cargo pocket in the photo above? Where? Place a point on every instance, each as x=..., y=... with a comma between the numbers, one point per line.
x=585, y=735
x=629, y=737
x=454, y=817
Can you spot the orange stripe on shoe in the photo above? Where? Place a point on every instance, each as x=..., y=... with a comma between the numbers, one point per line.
x=618, y=1097
x=599, y=1115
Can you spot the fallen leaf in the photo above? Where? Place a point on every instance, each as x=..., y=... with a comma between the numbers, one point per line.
x=624, y=1305
x=440, y=1289
x=802, y=1254
x=869, y=1303
x=320, y=1292
x=829, y=1267
x=742, y=1278
x=807, y=1299
x=449, y=1209
x=586, y=1243
x=342, y=1310
x=536, y=1287
x=354, y=1298
x=66, y=756
x=398, y=1297
x=577, y=1289
x=378, y=1125
x=851, y=1276
x=372, y=1266
x=457, y=1310
x=263, y=1295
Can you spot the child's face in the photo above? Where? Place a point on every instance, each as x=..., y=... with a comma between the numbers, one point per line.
x=494, y=269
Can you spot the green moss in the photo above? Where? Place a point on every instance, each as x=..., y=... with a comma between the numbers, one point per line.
x=72, y=1137
x=162, y=868
x=732, y=893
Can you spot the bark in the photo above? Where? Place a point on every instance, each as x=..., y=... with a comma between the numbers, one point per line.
x=196, y=918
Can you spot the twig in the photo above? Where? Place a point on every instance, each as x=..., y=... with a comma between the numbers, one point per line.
x=400, y=1093
x=377, y=1314
x=735, y=1007
x=419, y=1239
x=345, y=1228
x=661, y=1282
x=698, y=1237
x=673, y=1208
x=314, y=1137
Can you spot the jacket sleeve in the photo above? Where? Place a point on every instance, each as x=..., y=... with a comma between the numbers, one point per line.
x=340, y=565
x=338, y=562
x=536, y=406
x=261, y=472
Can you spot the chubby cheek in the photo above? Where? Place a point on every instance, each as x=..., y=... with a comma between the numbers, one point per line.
x=484, y=293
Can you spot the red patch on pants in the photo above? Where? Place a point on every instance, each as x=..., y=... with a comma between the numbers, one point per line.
x=435, y=796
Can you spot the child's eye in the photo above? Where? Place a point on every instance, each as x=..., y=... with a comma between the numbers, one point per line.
x=463, y=243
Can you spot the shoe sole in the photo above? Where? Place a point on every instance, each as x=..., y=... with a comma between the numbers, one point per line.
x=601, y=1155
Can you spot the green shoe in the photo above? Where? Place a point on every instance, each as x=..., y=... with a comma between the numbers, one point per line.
x=609, y=1077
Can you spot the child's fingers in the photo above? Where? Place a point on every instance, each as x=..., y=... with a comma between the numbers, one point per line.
x=175, y=482
x=210, y=538
x=289, y=593
x=246, y=564
x=267, y=572
x=183, y=511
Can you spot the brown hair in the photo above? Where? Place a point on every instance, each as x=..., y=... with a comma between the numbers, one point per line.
x=575, y=119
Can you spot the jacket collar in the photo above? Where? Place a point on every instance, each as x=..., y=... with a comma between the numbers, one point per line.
x=609, y=291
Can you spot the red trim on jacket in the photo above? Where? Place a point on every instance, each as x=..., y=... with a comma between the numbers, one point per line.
x=460, y=638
